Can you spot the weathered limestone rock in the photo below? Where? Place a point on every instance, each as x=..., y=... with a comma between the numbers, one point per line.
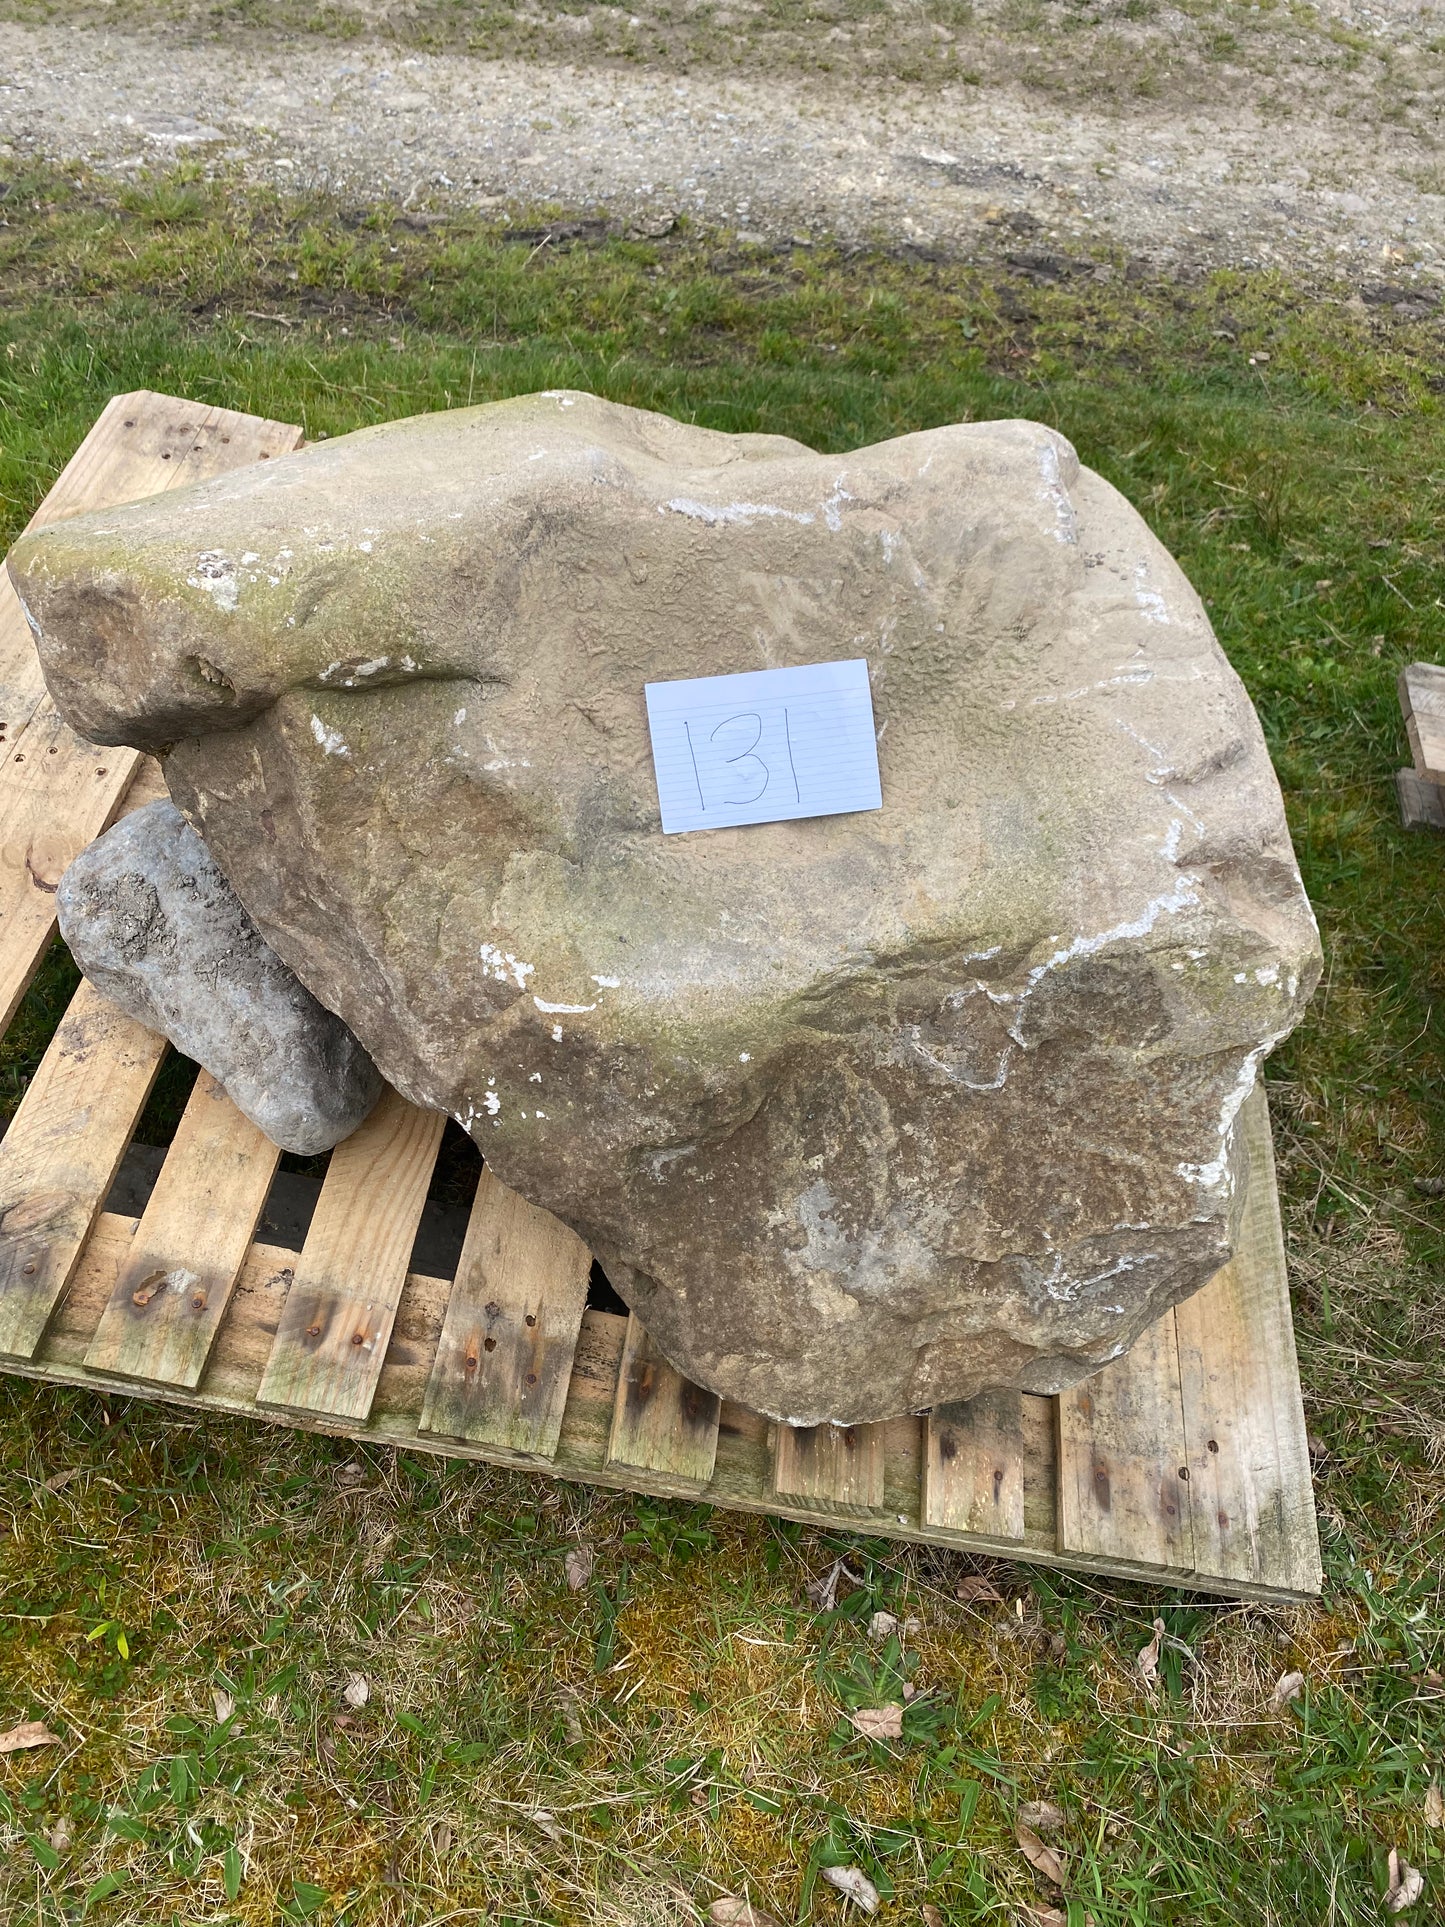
x=154, y=925
x=859, y=1113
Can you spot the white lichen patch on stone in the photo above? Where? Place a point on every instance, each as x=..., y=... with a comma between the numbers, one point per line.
x=833, y=509
x=501, y=964
x=1216, y=1172
x=608, y=983
x=215, y=573
x=1151, y=604
x=740, y=512
x=492, y=1103
x=331, y=740
x=561, y=1010
x=1066, y=523
x=1182, y=897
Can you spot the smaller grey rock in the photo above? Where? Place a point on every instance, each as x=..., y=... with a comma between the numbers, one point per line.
x=154, y=925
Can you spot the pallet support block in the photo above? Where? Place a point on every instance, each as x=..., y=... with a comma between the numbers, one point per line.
x=1183, y=1462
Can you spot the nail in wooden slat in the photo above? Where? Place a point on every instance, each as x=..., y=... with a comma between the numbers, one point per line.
x=189, y=1246
x=504, y=1359
x=837, y=1468
x=336, y=1324
x=59, y=1158
x=662, y=1423
x=973, y=1466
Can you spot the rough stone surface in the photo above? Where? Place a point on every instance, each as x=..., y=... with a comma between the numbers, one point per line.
x=858, y=1113
x=155, y=926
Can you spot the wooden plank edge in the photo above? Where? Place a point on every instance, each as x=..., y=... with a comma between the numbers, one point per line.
x=399, y=1437
x=399, y=1432
x=1422, y=802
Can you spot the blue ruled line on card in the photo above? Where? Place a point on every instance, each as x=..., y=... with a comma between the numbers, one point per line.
x=765, y=746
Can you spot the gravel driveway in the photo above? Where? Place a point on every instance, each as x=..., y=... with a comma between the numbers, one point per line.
x=1329, y=186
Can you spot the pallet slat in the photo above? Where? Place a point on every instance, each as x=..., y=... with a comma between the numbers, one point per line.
x=662, y=1423
x=504, y=1359
x=1252, y=1511
x=60, y=1156
x=838, y=1468
x=1422, y=701
x=1121, y=1450
x=332, y=1338
x=189, y=1247
x=973, y=1466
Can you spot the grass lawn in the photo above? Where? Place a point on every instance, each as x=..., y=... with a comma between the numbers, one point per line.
x=185, y=1601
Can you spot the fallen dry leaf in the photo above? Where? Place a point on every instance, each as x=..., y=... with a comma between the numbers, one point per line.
x=733, y=1911
x=1047, y=1917
x=29, y=1733
x=882, y=1624
x=855, y=1885
x=546, y=1823
x=1148, y=1660
x=879, y=1722
x=1042, y=1815
x=974, y=1590
x=931, y=1916
x=1287, y=1687
x=357, y=1690
x=1434, y=1805
x=1040, y=1857
x=59, y=1480
x=1407, y=1883
x=59, y=1836
x=572, y=1718
x=223, y=1703
x=578, y=1566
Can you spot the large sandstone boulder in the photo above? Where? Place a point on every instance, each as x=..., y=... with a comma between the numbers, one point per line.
x=859, y=1113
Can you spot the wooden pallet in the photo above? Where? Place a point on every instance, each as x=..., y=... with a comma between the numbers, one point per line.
x=1185, y=1461
x=1421, y=790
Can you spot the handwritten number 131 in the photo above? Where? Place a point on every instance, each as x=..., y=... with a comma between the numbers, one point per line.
x=738, y=762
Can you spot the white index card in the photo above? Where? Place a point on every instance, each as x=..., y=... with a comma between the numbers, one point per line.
x=764, y=746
